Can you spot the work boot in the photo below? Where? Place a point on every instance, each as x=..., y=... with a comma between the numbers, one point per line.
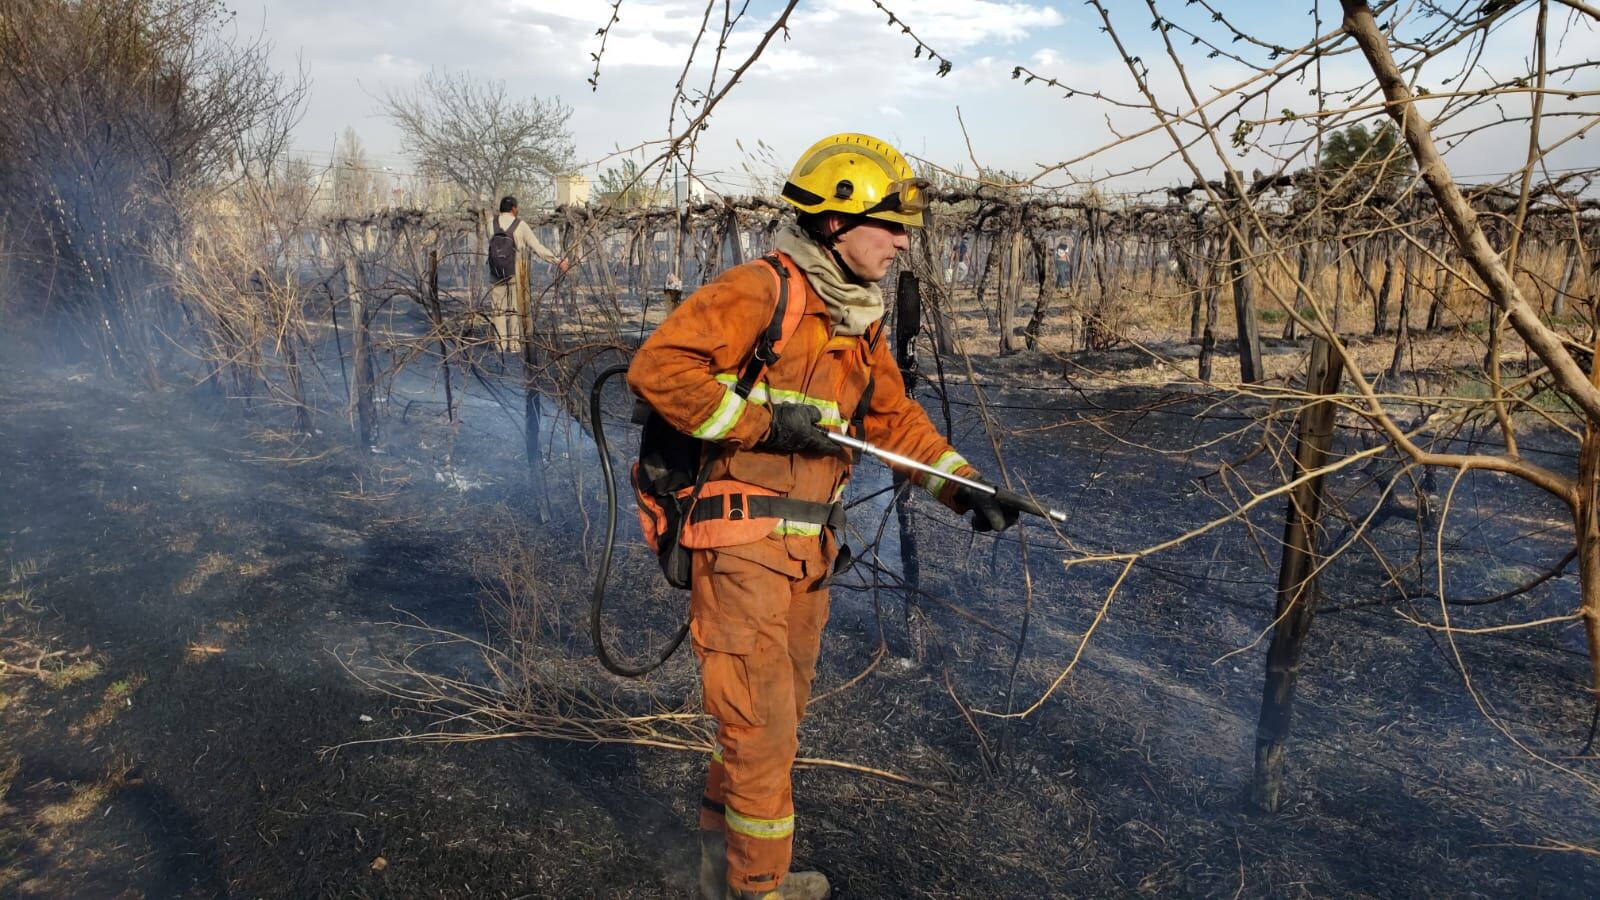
x=798, y=886
x=713, y=865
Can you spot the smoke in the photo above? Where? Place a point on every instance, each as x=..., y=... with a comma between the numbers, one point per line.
x=122, y=118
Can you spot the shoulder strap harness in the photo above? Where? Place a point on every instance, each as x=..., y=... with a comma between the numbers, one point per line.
x=769, y=344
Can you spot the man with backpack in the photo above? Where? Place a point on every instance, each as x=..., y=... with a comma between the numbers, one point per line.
x=512, y=237
x=756, y=365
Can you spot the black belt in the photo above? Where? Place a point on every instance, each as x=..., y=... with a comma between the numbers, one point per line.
x=763, y=506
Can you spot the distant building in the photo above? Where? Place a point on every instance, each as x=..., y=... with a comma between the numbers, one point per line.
x=572, y=190
x=685, y=190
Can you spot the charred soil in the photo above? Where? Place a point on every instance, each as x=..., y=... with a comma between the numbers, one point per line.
x=204, y=590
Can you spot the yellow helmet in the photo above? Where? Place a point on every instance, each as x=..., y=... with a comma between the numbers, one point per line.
x=859, y=175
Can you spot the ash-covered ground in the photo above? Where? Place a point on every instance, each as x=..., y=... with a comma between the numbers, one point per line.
x=202, y=591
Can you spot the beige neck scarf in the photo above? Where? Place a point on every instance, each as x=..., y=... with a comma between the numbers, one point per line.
x=853, y=307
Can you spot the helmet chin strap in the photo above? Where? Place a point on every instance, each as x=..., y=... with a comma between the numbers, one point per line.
x=830, y=240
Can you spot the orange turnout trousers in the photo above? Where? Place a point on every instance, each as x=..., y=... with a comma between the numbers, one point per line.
x=757, y=632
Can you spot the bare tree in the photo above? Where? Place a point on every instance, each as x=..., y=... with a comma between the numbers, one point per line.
x=355, y=183
x=120, y=117
x=474, y=135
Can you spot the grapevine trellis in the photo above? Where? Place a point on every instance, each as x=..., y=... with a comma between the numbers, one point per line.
x=989, y=248
x=404, y=293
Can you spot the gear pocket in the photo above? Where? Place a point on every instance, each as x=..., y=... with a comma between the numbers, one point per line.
x=728, y=664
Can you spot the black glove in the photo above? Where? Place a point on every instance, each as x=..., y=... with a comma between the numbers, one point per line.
x=794, y=429
x=989, y=513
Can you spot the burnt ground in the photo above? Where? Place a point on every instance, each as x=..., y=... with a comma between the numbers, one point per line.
x=203, y=585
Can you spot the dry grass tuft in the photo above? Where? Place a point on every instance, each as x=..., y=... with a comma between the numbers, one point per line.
x=11, y=833
x=71, y=674
x=77, y=808
x=210, y=565
x=18, y=588
x=127, y=507
x=8, y=774
x=214, y=564
x=118, y=697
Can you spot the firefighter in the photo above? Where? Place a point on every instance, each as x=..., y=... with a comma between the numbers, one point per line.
x=757, y=606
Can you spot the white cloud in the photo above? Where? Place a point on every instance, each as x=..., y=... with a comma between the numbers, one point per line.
x=667, y=17
x=786, y=60
x=401, y=64
x=641, y=50
x=841, y=68
x=950, y=26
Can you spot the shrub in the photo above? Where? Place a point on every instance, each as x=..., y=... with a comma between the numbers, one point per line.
x=120, y=116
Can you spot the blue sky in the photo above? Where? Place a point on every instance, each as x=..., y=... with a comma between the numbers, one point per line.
x=842, y=69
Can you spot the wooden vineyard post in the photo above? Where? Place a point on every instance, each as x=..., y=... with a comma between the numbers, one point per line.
x=907, y=323
x=302, y=407
x=480, y=252
x=1044, y=260
x=1075, y=288
x=1441, y=289
x=1208, y=331
x=685, y=236
x=1244, y=310
x=924, y=256
x=1302, y=280
x=1297, y=576
x=1187, y=253
x=1402, y=339
x=1586, y=523
x=671, y=281
x=1558, y=303
x=361, y=353
x=1011, y=286
x=531, y=418
x=1340, y=252
x=567, y=292
x=522, y=302
x=1380, y=299
x=990, y=273
x=1089, y=310
x=1197, y=304
x=438, y=327
x=732, y=236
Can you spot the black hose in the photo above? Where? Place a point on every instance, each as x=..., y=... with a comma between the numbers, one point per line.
x=597, y=602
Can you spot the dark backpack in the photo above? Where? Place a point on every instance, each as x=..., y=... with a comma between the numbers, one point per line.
x=503, y=252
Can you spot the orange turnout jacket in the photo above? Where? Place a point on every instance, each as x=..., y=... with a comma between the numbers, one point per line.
x=687, y=370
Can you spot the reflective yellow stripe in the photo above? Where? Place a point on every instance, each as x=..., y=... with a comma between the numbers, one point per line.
x=761, y=395
x=720, y=422
x=758, y=394
x=766, y=829
x=716, y=752
x=830, y=410
x=948, y=463
x=806, y=529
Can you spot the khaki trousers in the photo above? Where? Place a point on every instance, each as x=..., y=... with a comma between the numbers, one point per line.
x=507, y=321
